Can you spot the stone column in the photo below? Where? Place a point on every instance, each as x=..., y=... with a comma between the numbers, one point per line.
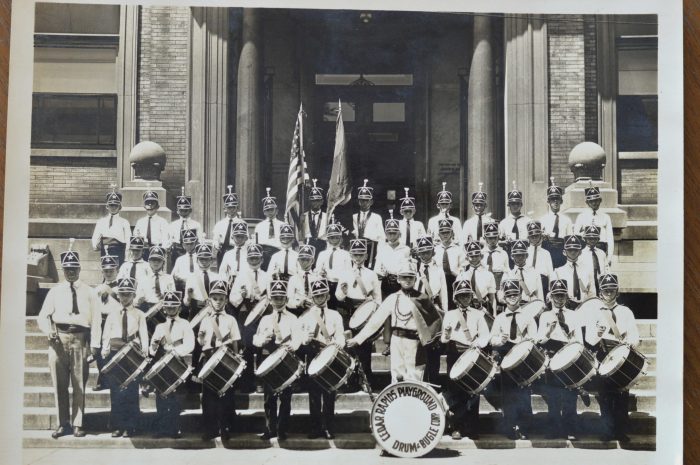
x=206, y=170
x=482, y=163
x=127, y=86
x=249, y=114
x=607, y=94
x=527, y=110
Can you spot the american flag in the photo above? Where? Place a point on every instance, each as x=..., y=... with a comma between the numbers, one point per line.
x=298, y=175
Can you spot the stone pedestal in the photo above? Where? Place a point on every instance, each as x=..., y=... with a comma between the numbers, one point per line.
x=132, y=200
x=575, y=202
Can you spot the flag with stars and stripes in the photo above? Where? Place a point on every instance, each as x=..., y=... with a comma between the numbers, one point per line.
x=298, y=175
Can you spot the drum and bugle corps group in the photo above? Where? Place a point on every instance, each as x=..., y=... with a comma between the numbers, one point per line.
x=517, y=306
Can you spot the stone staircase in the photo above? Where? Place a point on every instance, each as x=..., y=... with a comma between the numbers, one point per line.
x=352, y=413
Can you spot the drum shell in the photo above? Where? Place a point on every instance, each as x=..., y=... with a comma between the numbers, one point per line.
x=225, y=372
x=477, y=376
x=578, y=371
x=168, y=373
x=358, y=326
x=125, y=365
x=624, y=376
x=283, y=373
x=529, y=368
x=336, y=373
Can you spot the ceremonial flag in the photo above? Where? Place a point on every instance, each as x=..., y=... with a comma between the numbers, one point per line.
x=339, y=189
x=298, y=176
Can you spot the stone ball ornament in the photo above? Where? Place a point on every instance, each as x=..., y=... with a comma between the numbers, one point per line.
x=587, y=161
x=148, y=161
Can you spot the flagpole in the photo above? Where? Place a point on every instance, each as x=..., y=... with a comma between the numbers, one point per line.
x=303, y=168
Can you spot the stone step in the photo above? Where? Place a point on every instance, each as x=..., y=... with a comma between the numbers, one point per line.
x=346, y=421
x=44, y=397
x=90, y=211
x=641, y=212
x=42, y=439
x=639, y=229
x=61, y=227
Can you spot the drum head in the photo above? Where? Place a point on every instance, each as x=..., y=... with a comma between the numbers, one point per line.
x=257, y=311
x=362, y=314
x=565, y=356
x=212, y=362
x=464, y=363
x=533, y=309
x=517, y=354
x=272, y=360
x=613, y=360
x=588, y=309
x=322, y=360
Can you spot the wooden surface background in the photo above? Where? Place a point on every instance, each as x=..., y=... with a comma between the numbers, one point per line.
x=692, y=197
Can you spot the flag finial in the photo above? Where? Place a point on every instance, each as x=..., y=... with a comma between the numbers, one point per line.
x=481, y=185
x=366, y=180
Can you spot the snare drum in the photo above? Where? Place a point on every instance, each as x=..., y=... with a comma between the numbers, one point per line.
x=168, y=373
x=331, y=368
x=222, y=369
x=573, y=365
x=524, y=362
x=280, y=369
x=126, y=365
x=473, y=370
x=623, y=366
x=361, y=316
x=257, y=312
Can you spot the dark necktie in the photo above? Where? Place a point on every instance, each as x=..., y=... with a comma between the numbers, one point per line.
x=271, y=230
x=75, y=310
x=534, y=257
x=522, y=276
x=426, y=273
x=515, y=227
x=227, y=236
x=314, y=225
x=125, y=325
x=148, y=231
x=446, y=262
x=596, y=268
x=132, y=273
x=408, y=232
x=191, y=262
x=286, y=261
x=306, y=282
x=330, y=260
x=562, y=322
x=473, y=281
x=206, y=284
x=489, y=261
x=157, y=286
x=478, y=229
x=555, y=230
x=577, y=285
x=111, y=218
x=513, y=326
x=213, y=338
x=182, y=228
x=238, y=259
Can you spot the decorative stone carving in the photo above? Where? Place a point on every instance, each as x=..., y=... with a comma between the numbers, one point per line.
x=587, y=161
x=148, y=161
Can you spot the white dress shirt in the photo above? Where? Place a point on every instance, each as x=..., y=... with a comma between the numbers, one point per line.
x=527, y=329
x=58, y=306
x=254, y=282
x=262, y=231
x=436, y=285
x=602, y=220
x=530, y=282
x=196, y=283
x=308, y=323
x=434, y=228
x=180, y=333
x=566, y=228
x=390, y=258
x=135, y=327
x=469, y=229
x=297, y=293
x=278, y=260
x=585, y=279
x=417, y=230
x=283, y=328
x=342, y=263
x=623, y=320
x=228, y=330
x=321, y=220
x=505, y=227
x=120, y=230
x=499, y=258
x=374, y=230
x=484, y=280
x=543, y=265
x=142, y=268
x=160, y=230
x=181, y=270
x=175, y=229
x=146, y=287
x=572, y=320
x=473, y=321
x=456, y=257
x=230, y=266
x=353, y=278
x=219, y=233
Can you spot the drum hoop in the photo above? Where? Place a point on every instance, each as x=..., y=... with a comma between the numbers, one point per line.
x=342, y=380
x=272, y=367
x=254, y=316
x=233, y=379
x=642, y=370
x=179, y=381
x=212, y=362
x=332, y=347
x=119, y=356
x=294, y=377
x=486, y=382
x=471, y=349
x=155, y=369
x=620, y=362
x=135, y=374
x=571, y=362
x=521, y=359
x=534, y=376
x=369, y=302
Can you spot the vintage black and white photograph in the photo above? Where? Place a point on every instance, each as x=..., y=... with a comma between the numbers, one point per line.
x=304, y=235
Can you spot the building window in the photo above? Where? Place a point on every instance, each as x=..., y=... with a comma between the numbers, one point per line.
x=81, y=121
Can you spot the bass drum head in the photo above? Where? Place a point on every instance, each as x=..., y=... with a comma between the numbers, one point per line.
x=408, y=419
x=362, y=313
x=516, y=354
x=565, y=356
x=613, y=360
x=257, y=311
x=464, y=363
x=322, y=360
x=271, y=361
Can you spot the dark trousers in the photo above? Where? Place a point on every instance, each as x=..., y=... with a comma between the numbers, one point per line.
x=364, y=354
x=562, y=419
x=124, y=413
x=176, y=251
x=321, y=407
x=277, y=419
x=167, y=421
x=218, y=413
x=251, y=354
x=464, y=406
x=101, y=362
x=516, y=401
x=614, y=414
x=432, y=364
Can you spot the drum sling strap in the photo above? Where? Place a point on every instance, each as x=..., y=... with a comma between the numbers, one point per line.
x=217, y=330
x=463, y=323
x=612, y=324
x=359, y=282
x=321, y=326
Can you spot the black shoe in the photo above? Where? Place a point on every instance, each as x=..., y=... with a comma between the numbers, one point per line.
x=386, y=352
x=586, y=399
x=226, y=434
x=267, y=435
x=607, y=437
x=209, y=435
x=61, y=431
x=623, y=438
x=78, y=432
x=456, y=435
x=99, y=387
x=329, y=435
x=128, y=433
x=117, y=433
x=316, y=434
x=282, y=436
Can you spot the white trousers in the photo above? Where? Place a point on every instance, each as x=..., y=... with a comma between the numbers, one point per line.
x=403, y=359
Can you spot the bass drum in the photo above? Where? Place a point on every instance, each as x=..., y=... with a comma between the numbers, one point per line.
x=408, y=419
x=361, y=316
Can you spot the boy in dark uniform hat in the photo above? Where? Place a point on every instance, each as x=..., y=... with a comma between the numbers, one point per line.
x=316, y=220
x=449, y=255
x=529, y=278
x=557, y=327
x=177, y=228
x=267, y=232
x=334, y=261
x=175, y=335
x=577, y=275
x=234, y=260
x=495, y=257
x=462, y=328
x=410, y=228
x=223, y=229
x=473, y=228
x=595, y=217
x=444, y=204
x=217, y=329
x=556, y=226
x=593, y=257
x=509, y=328
x=299, y=288
x=108, y=302
x=135, y=266
x=153, y=228
x=186, y=264
x=514, y=226
x=366, y=224
x=537, y=256
x=122, y=326
x=284, y=262
x=112, y=232
x=481, y=281
x=277, y=329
